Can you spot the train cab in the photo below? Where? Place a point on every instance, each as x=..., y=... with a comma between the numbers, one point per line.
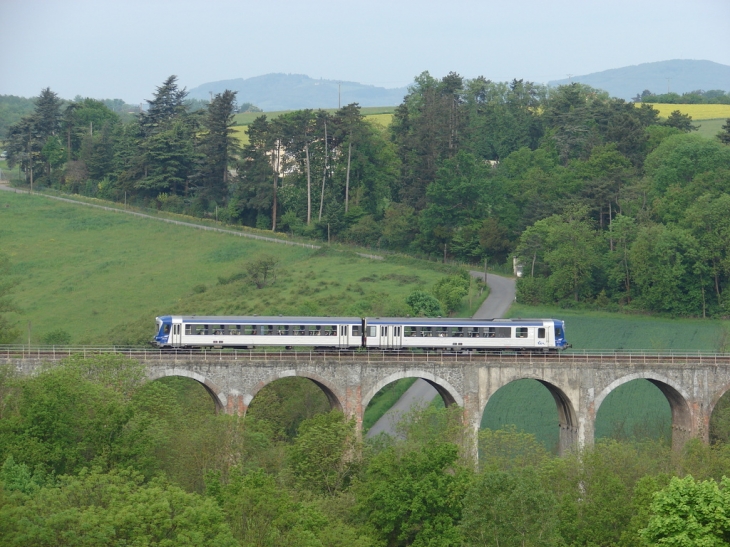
x=164, y=327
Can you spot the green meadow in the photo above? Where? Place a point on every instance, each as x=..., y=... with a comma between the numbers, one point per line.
x=103, y=276
x=709, y=128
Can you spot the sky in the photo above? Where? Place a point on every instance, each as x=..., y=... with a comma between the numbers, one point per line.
x=125, y=48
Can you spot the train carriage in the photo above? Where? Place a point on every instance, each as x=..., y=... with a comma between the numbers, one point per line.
x=177, y=331
x=464, y=334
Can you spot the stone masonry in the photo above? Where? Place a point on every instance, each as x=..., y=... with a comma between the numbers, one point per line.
x=579, y=384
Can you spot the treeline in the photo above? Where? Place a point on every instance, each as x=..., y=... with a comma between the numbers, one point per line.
x=603, y=203
x=713, y=96
x=92, y=455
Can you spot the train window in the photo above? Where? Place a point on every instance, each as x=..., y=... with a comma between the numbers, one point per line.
x=372, y=331
x=383, y=331
x=201, y=330
x=443, y=331
x=521, y=332
x=499, y=332
x=356, y=330
x=166, y=329
x=188, y=329
x=411, y=331
x=267, y=329
x=426, y=331
x=541, y=333
x=474, y=332
x=234, y=330
x=283, y=330
x=331, y=331
x=558, y=332
x=396, y=331
x=315, y=330
x=219, y=330
x=457, y=332
x=251, y=330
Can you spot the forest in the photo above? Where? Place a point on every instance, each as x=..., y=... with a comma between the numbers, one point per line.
x=94, y=455
x=605, y=204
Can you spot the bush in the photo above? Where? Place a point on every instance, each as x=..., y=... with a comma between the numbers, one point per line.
x=58, y=337
x=533, y=291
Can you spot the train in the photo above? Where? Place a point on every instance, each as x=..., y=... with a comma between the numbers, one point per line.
x=352, y=333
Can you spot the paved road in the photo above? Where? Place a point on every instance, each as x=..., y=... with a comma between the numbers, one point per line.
x=421, y=393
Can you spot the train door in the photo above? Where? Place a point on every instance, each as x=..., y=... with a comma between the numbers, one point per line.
x=386, y=336
x=343, y=339
x=397, y=336
x=176, y=341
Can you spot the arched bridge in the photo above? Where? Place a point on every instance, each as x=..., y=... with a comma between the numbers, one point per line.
x=579, y=383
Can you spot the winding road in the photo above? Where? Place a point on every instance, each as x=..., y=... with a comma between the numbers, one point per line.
x=421, y=393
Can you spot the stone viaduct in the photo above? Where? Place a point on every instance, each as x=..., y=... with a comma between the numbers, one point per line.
x=578, y=383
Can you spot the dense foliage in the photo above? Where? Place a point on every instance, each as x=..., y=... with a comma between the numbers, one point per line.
x=603, y=203
x=93, y=455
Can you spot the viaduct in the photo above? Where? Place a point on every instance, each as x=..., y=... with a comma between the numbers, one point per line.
x=579, y=383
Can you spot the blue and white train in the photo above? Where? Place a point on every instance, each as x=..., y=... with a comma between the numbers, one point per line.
x=384, y=333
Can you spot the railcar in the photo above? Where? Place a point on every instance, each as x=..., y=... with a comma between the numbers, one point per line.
x=465, y=334
x=191, y=331
x=385, y=333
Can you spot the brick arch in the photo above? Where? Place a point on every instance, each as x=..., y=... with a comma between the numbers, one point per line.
x=447, y=392
x=217, y=394
x=567, y=416
x=676, y=395
x=330, y=390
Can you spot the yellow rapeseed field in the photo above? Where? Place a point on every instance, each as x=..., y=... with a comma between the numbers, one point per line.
x=697, y=111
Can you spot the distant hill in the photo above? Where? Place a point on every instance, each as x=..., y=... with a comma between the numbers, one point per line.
x=684, y=75
x=295, y=91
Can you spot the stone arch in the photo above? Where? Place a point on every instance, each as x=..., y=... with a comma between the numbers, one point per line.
x=335, y=399
x=567, y=416
x=219, y=397
x=677, y=397
x=447, y=392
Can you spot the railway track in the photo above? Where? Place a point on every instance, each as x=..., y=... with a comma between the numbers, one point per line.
x=56, y=353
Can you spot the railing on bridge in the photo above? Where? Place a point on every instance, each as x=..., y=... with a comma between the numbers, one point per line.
x=573, y=357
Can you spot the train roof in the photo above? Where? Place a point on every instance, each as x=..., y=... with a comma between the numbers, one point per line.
x=456, y=321
x=273, y=319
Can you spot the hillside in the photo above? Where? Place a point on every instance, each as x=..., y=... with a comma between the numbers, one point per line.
x=296, y=91
x=681, y=75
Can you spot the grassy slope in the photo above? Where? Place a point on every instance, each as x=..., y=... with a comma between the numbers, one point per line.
x=93, y=272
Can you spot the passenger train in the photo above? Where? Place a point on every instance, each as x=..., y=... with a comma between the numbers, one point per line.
x=350, y=333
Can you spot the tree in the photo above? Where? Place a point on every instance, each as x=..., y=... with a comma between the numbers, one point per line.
x=414, y=497
x=168, y=103
x=324, y=456
x=451, y=290
x=117, y=508
x=688, y=513
x=423, y=304
x=724, y=135
x=218, y=147
x=683, y=122
x=509, y=509
x=262, y=271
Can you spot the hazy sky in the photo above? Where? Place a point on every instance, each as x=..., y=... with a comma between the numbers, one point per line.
x=124, y=48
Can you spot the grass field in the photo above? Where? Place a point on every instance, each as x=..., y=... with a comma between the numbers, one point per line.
x=710, y=128
x=102, y=276
x=604, y=330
